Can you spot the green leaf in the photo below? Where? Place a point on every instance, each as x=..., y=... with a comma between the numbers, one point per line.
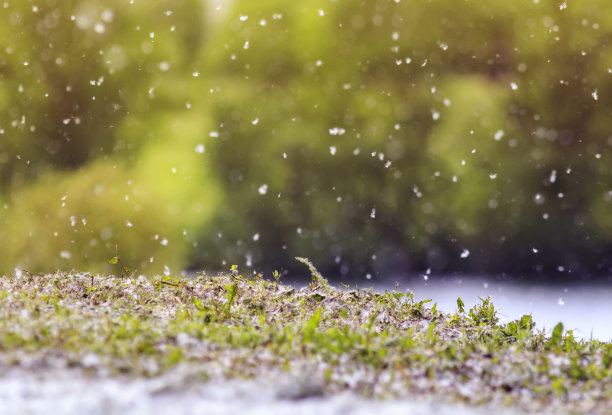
x=557, y=335
x=460, y=305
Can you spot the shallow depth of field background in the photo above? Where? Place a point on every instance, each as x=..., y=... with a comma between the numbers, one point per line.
x=373, y=137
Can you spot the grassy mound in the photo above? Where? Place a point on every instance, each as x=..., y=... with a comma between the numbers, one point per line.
x=233, y=326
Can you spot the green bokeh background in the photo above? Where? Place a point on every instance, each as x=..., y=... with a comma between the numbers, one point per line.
x=371, y=136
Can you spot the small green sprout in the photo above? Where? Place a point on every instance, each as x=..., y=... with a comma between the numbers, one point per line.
x=317, y=278
x=460, y=305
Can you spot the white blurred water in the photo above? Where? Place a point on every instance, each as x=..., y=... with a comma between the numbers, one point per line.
x=584, y=307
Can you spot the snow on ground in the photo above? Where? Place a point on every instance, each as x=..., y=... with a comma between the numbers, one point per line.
x=67, y=392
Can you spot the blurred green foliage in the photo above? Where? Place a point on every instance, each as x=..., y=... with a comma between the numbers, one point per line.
x=372, y=137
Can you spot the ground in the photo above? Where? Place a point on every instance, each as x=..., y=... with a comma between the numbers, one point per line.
x=150, y=341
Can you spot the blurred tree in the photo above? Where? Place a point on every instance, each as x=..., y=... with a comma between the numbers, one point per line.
x=99, y=146
x=71, y=71
x=392, y=134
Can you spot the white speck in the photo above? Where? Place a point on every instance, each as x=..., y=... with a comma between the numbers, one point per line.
x=561, y=302
x=538, y=198
x=72, y=221
x=246, y=45
x=284, y=155
x=514, y=86
x=563, y=6
x=426, y=277
x=498, y=135
x=200, y=148
x=196, y=74
x=243, y=18
x=356, y=151
x=263, y=189
x=408, y=60
x=321, y=12
x=166, y=271
x=337, y=131
x=369, y=276
x=595, y=95
x=447, y=102
x=465, y=253
x=213, y=134
x=277, y=16
x=256, y=237
x=373, y=213
x=65, y=254
x=319, y=62
x=534, y=250
x=164, y=66
x=129, y=224
x=597, y=156
x=332, y=150
x=99, y=28
x=435, y=115
x=417, y=192
x=164, y=242
x=395, y=36
x=255, y=121
x=263, y=22
x=299, y=231
x=443, y=46
x=493, y=176
x=553, y=176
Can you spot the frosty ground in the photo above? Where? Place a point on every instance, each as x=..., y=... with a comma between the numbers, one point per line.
x=125, y=344
x=69, y=392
